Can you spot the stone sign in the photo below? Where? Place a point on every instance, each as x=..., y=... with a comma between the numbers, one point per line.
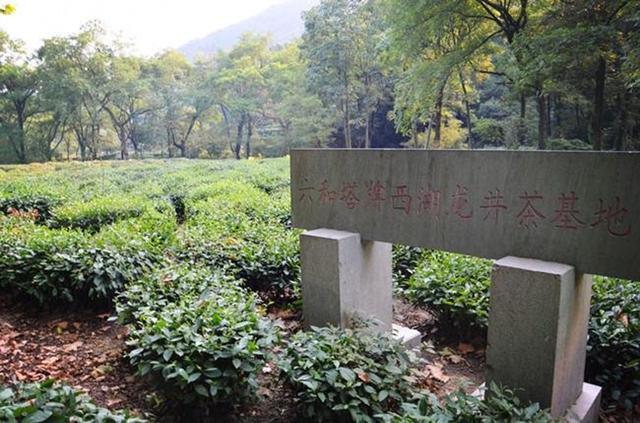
x=578, y=208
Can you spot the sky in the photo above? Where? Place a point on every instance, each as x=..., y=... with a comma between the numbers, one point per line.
x=150, y=25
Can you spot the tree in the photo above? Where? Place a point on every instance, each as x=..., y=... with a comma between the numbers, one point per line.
x=130, y=99
x=339, y=47
x=18, y=88
x=78, y=70
x=240, y=80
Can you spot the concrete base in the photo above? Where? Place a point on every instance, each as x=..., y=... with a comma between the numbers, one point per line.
x=585, y=410
x=587, y=407
x=345, y=278
x=537, y=335
x=411, y=338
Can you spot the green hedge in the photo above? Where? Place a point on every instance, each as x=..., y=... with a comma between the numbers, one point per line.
x=52, y=266
x=457, y=288
x=52, y=402
x=342, y=375
x=454, y=286
x=500, y=405
x=200, y=335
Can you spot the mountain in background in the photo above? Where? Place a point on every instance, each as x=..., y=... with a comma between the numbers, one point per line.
x=283, y=21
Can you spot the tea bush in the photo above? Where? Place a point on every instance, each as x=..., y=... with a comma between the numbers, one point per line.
x=457, y=288
x=500, y=405
x=200, y=335
x=50, y=401
x=342, y=375
x=40, y=207
x=96, y=213
x=63, y=266
x=613, y=353
x=454, y=286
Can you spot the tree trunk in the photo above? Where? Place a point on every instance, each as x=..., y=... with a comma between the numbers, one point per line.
x=347, y=116
x=468, y=110
x=249, y=135
x=429, y=131
x=549, y=101
x=598, y=104
x=238, y=145
x=367, y=131
x=522, y=124
x=542, y=121
x=437, y=120
x=621, y=130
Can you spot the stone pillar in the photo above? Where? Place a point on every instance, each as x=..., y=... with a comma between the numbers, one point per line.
x=343, y=276
x=538, y=335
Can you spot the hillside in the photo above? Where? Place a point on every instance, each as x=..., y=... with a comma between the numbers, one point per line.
x=283, y=21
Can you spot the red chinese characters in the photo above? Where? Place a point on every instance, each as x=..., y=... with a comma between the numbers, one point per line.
x=348, y=195
x=327, y=195
x=530, y=216
x=567, y=212
x=375, y=193
x=401, y=200
x=614, y=216
x=431, y=201
x=460, y=205
x=494, y=205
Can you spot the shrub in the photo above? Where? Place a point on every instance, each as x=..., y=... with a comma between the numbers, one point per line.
x=501, y=405
x=456, y=287
x=488, y=132
x=613, y=352
x=265, y=257
x=61, y=265
x=40, y=207
x=200, y=335
x=405, y=262
x=565, y=144
x=342, y=375
x=94, y=214
x=50, y=401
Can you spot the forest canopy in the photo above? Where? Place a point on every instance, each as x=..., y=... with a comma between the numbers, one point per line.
x=517, y=74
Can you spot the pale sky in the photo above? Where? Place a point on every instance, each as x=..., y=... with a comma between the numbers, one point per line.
x=151, y=25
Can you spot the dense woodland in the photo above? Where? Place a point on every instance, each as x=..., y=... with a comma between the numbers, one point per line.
x=546, y=74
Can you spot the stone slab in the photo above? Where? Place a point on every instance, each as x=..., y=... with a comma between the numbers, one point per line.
x=581, y=208
x=410, y=338
x=587, y=407
x=585, y=410
x=536, y=343
x=345, y=277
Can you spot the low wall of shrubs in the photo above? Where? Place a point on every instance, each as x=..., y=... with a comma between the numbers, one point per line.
x=50, y=401
x=456, y=287
x=200, y=335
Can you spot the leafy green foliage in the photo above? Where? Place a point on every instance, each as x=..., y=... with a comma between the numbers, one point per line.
x=52, y=402
x=40, y=207
x=500, y=405
x=613, y=353
x=454, y=286
x=61, y=266
x=457, y=288
x=342, y=375
x=405, y=261
x=93, y=215
x=199, y=334
x=563, y=144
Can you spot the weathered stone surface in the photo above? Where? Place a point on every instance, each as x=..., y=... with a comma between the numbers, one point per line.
x=344, y=276
x=587, y=407
x=538, y=330
x=580, y=208
x=410, y=338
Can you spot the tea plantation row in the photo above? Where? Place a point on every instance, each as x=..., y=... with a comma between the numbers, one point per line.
x=190, y=249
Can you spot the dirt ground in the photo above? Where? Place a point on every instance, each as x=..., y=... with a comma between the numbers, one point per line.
x=86, y=350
